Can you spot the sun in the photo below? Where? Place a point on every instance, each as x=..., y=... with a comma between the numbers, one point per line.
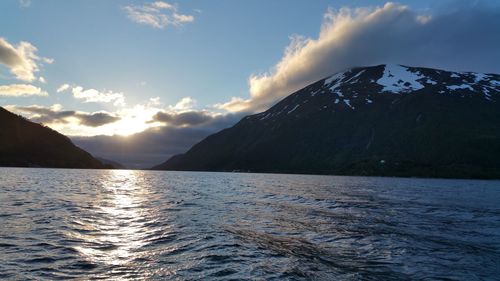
x=134, y=120
x=129, y=126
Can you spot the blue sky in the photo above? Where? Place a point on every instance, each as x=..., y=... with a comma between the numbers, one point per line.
x=95, y=45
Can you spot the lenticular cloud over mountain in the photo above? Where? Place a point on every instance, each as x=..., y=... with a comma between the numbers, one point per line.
x=369, y=36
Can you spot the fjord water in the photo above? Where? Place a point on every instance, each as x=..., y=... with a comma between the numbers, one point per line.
x=132, y=225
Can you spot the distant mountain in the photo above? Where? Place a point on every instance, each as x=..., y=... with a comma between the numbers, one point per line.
x=386, y=120
x=111, y=163
x=27, y=144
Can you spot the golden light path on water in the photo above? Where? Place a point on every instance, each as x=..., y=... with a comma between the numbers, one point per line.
x=119, y=221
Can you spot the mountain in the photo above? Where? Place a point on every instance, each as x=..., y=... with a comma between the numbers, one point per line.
x=385, y=120
x=111, y=163
x=27, y=144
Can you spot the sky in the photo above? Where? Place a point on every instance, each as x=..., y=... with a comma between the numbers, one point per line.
x=139, y=81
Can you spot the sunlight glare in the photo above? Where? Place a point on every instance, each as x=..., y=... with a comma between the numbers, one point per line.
x=119, y=218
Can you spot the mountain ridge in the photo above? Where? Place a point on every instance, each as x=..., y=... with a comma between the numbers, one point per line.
x=27, y=144
x=387, y=120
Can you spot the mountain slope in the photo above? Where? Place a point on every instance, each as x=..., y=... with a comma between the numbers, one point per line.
x=27, y=144
x=387, y=120
x=112, y=164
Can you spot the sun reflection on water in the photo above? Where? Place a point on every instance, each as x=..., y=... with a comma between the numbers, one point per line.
x=116, y=227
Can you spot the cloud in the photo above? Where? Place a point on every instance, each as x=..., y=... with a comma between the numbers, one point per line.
x=188, y=118
x=19, y=90
x=184, y=104
x=162, y=5
x=48, y=60
x=96, y=119
x=462, y=37
x=22, y=60
x=155, y=101
x=63, y=88
x=124, y=121
x=42, y=114
x=93, y=95
x=55, y=115
x=157, y=14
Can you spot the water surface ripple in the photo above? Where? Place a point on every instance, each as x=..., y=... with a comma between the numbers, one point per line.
x=149, y=225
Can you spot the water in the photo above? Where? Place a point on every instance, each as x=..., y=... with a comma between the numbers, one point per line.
x=133, y=225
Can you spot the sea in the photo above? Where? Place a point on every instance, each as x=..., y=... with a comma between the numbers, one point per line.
x=60, y=224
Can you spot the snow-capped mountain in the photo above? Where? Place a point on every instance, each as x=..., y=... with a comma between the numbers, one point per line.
x=379, y=120
x=359, y=87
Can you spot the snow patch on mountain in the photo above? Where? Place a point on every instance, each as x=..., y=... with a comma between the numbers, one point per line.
x=315, y=92
x=348, y=103
x=459, y=87
x=293, y=109
x=479, y=77
x=267, y=115
x=495, y=83
x=432, y=82
x=355, y=79
x=336, y=77
x=397, y=78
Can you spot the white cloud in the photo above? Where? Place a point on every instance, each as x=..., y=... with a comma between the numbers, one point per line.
x=62, y=88
x=162, y=5
x=184, y=104
x=22, y=60
x=183, y=18
x=18, y=90
x=158, y=14
x=93, y=95
x=42, y=79
x=154, y=101
x=460, y=38
x=48, y=60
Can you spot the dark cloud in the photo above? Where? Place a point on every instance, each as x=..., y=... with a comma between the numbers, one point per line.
x=50, y=115
x=96, y=119
x=190, y=118
x=463, y=36
x=155, y=145
x=45, y=115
